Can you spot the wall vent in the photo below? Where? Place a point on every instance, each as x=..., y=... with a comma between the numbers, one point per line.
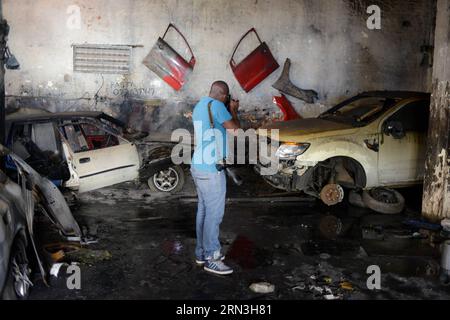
x=96, y=58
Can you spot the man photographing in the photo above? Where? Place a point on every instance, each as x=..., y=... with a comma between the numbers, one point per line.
x=211, y=115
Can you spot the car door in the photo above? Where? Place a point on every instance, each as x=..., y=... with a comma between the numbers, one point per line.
x=403, y=145
x=100, y=158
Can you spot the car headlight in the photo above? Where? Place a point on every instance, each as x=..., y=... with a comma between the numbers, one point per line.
x=289, y=151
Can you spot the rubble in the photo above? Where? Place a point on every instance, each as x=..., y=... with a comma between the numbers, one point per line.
x=262, y=287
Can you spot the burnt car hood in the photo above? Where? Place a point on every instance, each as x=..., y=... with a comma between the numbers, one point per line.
x=298, y=130
x=53, y=201
x=33, y=189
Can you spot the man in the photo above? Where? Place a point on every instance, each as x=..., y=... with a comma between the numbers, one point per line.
x=209, y=179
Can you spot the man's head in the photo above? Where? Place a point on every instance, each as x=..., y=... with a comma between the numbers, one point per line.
x=220, y=91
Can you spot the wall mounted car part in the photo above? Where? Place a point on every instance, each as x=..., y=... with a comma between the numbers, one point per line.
x=286, y=108
x=11, y=61
x=257, y=66
x=285, y=85
x=168, y=64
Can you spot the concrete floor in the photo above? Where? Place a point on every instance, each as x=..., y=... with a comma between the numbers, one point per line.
x=146, y=244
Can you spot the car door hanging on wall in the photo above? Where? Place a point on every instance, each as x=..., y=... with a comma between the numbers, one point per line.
x=257, y=66
x=168, y=64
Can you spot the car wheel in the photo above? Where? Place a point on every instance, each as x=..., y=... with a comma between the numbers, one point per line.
x=384, y=200
x=18, y=282
x=332, y=194
x=355, y=199
x=170, y=180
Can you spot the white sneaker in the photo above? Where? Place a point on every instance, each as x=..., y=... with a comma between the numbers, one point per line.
x=217, y=267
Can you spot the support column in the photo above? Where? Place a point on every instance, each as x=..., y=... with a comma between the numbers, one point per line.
x=4, y=29
x=436, y=195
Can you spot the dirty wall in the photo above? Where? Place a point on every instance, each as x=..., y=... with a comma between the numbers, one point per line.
x=331, y=49
x=436, y=192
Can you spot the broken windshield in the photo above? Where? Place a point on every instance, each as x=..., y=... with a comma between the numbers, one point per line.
x=359, y=111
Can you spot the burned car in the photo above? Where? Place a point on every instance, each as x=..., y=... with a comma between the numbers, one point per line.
x=85, y=151
x=375, y=139
x=21, y=198
x=14, y=264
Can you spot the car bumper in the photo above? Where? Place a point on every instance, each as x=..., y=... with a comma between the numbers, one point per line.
x=288, y=179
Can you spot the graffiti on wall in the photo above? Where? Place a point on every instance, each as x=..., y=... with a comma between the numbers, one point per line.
x=47, y=90
x=126, y=89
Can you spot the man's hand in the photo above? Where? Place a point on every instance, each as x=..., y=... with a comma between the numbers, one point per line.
x=234, y=123
x=234, y=106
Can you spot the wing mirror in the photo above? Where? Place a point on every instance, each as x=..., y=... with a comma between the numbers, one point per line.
x=394, y=129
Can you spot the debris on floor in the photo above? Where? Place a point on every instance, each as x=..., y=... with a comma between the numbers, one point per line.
x=70, y=252
x=278, y=243
x=325, y=287
x=445, y=223
x=422, y=224
x=58, y=251
x=89, y=256
x=262, y=287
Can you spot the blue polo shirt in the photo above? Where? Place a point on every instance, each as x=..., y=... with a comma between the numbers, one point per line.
x=205, y=156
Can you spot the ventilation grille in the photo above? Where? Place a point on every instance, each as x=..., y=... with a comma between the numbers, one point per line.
x=94, y=58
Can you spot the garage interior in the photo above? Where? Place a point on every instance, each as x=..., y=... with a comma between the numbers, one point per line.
x=284, y=243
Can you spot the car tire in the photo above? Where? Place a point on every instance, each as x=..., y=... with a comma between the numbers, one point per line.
x=167, y=181
x=383, y=200
x=10, y=290
x=356, y=200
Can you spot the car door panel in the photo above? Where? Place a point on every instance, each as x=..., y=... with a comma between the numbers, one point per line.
x=402, y=160
x=108, y=166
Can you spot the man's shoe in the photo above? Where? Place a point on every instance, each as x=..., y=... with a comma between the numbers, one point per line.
x=201, y=262
x=217, y=267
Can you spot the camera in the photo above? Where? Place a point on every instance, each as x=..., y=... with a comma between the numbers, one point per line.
x=221, y=165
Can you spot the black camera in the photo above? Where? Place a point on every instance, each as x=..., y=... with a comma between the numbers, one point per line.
x=221, y=165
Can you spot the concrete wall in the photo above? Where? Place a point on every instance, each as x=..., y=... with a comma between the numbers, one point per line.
x=332, y=52
x=436, y=192
x=3, y=38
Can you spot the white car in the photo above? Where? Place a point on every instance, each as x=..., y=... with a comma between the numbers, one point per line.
x=368, y=142
x=85, y=151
